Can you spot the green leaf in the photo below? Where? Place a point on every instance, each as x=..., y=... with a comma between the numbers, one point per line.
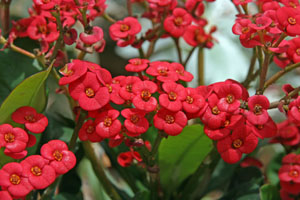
x=273, y=168
x=180, y=156
x=268, y=191
x=30, y=92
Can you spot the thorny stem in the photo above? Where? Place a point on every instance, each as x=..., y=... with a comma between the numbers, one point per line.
x=189, y=56
x=79, y=123
x=279, y=74
x=250, y=77
x=286, y=99
x=263, y=73
x=99, y=171
x=59, y=42
x=17, y=49
x=176, y=41
x=282, y=36
x=4, y=15
x=200, y=66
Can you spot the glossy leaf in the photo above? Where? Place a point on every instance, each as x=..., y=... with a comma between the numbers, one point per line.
x=180, y=156
x=269, y=192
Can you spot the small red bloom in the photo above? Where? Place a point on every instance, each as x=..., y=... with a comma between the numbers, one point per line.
x=89, y=93
x=250, y=161
x=162, y=71
x=288, y=134
x=94, y=36
x=143, y=99
x=135, y=121
x=294, y=111
x=171, y=123
x=107, y=123
x=175, y=94
x=194, y=102
x=289, y=20
x=40, y=29
x=34, y=122
x=5, y=195
x=88, y=132
x=117, y=139
x=46, y=4
x=258, y=105
x=39, y=173
x=61, y=159
x=12, y=179
x=73, y=71
x=289, y=176
x=266, y=130
x=242, y=140
x=177, y=22
x=13, y=139
x=125, y=159
x=182, y=74
x=137, y=65
x=126, y=87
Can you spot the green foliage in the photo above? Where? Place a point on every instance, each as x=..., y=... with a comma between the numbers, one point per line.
x=268, y=191
x=180, y=156
x=273, y=168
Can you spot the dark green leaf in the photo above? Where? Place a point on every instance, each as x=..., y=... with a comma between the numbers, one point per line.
x=273, y=167
x=269, y=192
x=180, y=156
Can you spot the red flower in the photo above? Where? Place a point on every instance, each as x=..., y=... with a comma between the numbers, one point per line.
x=117, y=139
x=258, y=105
x=46, y=5
x=125, y=159
x=89, y=93
x=12, y=179
x=171, y=123
x=135, y=121
x=137, y=65
x=126, y=90
x=61, y=159
x=40, y=29
x=177, y=22
x=289, y=176
x=92, y=37
x=288, y=134
x=267, y=130
x=33, y=121
x=20, y=27
x=13, y=139
x=233, y=146
x=241, y=2
x=181, y=73
x=175, y=94
x=107, y=123
x=230, y=95
x=39, y=173
x=124, y=31
x=162, y=71
x=5, y=195
x=88, y=132
x=70, y=36
x=143, y=99
x=289, y=20
x=73, y=71
x=195, y=36
x=293, y=51
x=249, y=161
x=193, y=101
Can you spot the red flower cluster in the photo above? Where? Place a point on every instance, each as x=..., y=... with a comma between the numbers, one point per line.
x=236, y=128
x=275, y=21
x=36, y=172
x=16, y=140
x=289, y=176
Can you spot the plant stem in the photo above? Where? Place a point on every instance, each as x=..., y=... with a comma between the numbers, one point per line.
x=79, y=123
x=286, y=99
x=17, y=49
x=98, y=169
x=189, y=56
x=109, y=18
x=263, y=73
x=250, y=77
x=279, y=74
x=129, y=7
x=200, y=66
x=176, y=41
x=4, y=12
x=59, y=42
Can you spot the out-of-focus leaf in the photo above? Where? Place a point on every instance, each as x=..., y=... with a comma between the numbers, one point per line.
x=180, y=156
x=273, y=167
x=268, y=191
x=67, y=196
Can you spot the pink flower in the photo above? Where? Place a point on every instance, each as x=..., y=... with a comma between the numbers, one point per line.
x=94, y=36
x=89, y=93
x=181, y=73
x=88, y=132
x=11, y=178
x=258, y=105
x=171, y=123
x=61, y=159
x=126, y=87
x=193, y=101
x=135, y=121
x=143, y=99
x=137, y=65
x=39, y=173
x=73, y=71
x=162, y=71
x=177, y=22
x=13, y=139
x=289, y=20
x=40, y=29
x=107, y=123
x=175, y=94
x=33, y=121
